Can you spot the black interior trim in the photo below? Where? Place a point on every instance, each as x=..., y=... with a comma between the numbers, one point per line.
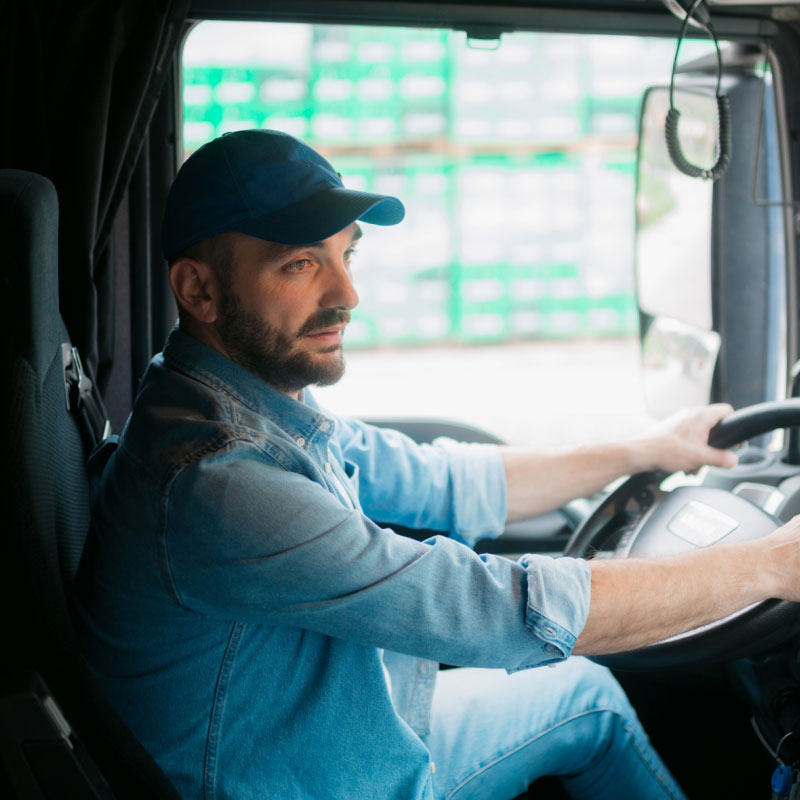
x=425, y=429
x=627, y=17
x=547, y=533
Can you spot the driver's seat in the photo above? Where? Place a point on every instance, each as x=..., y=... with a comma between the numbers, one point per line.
x=45, y=502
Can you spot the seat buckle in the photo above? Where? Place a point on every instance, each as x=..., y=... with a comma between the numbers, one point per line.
x=76, y=383
x=79, y=397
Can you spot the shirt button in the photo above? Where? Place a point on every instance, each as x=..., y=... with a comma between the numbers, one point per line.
x=551, y=650
x=549, y=631
x=328, y=468
x=300, y=440
x=324, y=425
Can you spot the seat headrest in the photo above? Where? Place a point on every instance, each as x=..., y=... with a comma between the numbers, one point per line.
x=29, y=273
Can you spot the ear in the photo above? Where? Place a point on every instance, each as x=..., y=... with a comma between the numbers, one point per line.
x=196, y=289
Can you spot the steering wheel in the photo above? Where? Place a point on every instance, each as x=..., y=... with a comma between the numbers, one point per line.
x=640, y=519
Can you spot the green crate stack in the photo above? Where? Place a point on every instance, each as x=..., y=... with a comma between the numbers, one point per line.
x=428, y=246
x=372, y=87
x=335, y=71
x=479, y=275
x=614, y=315
x=424, y=85
x=519, y=271
x=614, y=116
x=513, y=96
x=607, y=259
x=200, y=114
x=484, y=303
x=346, y=102
x=283, y=100
x=547, y=301
x=405, y=294
x=613, y=92
x=533, y=254
x=222, y=99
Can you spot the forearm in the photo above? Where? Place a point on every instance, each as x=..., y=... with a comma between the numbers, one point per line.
x=540, y=482
x=638, y=602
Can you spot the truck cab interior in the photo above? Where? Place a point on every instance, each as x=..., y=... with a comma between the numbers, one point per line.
x=559, y=249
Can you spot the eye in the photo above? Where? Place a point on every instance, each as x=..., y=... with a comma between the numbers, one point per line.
x=349, y=254
x=298, y=266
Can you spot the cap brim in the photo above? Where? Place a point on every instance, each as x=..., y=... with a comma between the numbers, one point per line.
x=322, y=215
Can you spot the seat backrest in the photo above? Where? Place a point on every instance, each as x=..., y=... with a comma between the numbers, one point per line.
x=45, y=493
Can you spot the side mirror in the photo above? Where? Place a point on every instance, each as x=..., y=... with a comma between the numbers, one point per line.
x=673, y=254
x=678, y=361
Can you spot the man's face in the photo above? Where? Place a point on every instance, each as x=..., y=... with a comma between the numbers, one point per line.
x=283, y=309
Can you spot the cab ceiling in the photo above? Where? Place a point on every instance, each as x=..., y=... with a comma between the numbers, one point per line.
x=636, y=17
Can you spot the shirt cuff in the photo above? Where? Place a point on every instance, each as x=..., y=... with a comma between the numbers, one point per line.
x=478, y=481
x=559, y=593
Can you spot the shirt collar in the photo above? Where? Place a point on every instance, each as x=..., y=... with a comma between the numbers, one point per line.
x=301, y=418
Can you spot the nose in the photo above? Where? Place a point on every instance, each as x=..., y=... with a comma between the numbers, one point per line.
x=339, y=289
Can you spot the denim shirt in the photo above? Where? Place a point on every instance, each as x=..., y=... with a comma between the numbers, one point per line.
x=240, y=608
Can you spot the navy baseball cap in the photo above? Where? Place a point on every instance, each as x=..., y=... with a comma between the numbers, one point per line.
x=266, y=184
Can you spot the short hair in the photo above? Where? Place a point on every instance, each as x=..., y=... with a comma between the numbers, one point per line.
x=216, y=251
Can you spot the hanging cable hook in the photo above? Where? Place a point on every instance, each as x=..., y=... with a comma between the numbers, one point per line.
x=724, y=132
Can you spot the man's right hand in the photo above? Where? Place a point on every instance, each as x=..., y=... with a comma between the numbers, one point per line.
x=637, y=602
x=781, y=555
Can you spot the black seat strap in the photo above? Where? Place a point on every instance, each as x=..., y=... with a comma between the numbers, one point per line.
x=83, y=399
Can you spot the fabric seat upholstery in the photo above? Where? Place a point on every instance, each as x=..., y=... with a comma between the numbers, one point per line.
x=45, y=491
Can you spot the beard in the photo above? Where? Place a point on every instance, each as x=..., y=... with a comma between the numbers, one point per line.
x=271, y=355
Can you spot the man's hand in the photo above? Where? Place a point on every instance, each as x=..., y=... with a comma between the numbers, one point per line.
x=681, y=441
x=636, y=602
x=781, y=560
x=539, y=482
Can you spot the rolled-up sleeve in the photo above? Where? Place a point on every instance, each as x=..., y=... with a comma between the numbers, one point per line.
x=478, y=481
x=254, y=542
x=559, y=594
x=449, y=486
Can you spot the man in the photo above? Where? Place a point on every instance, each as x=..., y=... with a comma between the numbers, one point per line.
x=262, y=637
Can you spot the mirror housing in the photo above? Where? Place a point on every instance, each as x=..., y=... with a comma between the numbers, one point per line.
x=673, y=253
x=678, y=361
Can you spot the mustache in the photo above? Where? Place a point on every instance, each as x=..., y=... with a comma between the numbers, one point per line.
x=326, y=318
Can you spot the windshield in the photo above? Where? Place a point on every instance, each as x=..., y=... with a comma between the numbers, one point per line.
x=512, y=274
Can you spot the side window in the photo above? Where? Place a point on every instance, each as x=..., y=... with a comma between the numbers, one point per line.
x=506, y=297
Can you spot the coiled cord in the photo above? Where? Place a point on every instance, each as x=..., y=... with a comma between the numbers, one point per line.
x=724, y=142
x=724, y=131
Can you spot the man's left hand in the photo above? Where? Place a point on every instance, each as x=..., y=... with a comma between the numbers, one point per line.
x=681, y=441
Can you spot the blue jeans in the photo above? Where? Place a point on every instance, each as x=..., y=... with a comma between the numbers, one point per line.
x=492, y=734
